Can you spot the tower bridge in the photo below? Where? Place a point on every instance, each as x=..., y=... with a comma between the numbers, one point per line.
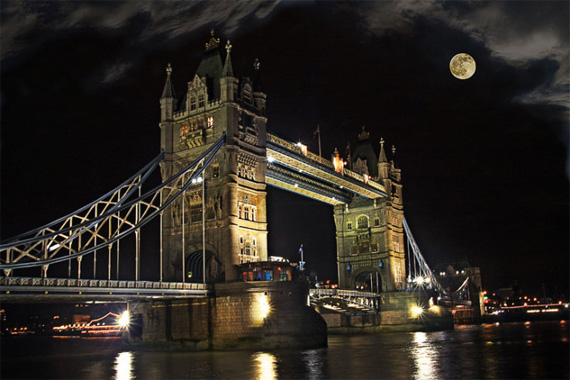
x=216, y=160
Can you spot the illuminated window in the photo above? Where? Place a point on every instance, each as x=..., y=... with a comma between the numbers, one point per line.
x=184, y=129
x=201, y=101
x=215, y=171
x=210, y=122
x=362, y=221
x=192, y=103
x=349, y=226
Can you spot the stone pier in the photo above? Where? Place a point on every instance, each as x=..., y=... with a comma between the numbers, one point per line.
x=241, y=315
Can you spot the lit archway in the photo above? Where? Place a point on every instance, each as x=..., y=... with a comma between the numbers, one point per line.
x=194, y=267
x=368, y=280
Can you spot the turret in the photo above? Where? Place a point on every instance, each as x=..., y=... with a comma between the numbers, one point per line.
x=383, y=164
x=228, y=83
x=168, y=98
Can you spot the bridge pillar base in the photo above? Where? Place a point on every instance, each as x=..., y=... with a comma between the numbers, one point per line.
x=241, y=315
x=399, y=311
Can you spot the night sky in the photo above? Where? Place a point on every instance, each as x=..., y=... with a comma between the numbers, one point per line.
x=484, y=161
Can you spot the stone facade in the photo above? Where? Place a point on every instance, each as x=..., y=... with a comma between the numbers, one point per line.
x=241, y=315
x=215, y=102
x=369, y=232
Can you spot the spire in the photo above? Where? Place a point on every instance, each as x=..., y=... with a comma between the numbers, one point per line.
x=394, y=156
x=228, y=69
x=382, y=157
x=257, y=87
x=168, y=91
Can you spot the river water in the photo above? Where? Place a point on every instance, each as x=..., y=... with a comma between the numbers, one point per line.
x=537, y=350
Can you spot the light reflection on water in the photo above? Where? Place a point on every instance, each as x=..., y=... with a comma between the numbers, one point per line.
x=124, y=366
x=425, y=356
x=505, y=351
x=266, y=366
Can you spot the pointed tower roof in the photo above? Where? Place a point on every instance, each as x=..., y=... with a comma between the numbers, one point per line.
x=228, y=70
x=382, y=156
x=364, y=151
x=168, y=91
x=211, y=66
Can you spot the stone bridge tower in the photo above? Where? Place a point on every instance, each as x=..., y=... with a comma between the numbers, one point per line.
x=369, y=232
x=215, y=102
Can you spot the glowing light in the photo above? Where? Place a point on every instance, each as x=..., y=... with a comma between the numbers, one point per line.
x=416, y=311
x=270, y=159
x=125, y=319
x=261, y=308
x=54, y=247
x=266, y=366
x=303, y=148
x=124, y=366
x=419, y=280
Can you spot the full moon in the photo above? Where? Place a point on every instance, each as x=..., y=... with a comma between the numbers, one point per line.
x=462, y=66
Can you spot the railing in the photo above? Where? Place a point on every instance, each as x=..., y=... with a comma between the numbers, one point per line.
x=342, y=293
x=119, y=284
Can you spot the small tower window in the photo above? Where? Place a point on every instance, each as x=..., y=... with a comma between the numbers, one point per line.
x=246, y=217
x=201, y=101
x=216, y=171
x=192, y=103
x=349, y=226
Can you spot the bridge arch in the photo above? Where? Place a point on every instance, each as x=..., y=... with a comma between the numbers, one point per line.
x=368, y=279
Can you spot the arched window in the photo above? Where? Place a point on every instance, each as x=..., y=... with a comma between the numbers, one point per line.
x=240, y=211
x=246, y=217
x=362, y=221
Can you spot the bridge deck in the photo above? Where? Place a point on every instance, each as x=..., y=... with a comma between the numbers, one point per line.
x=47, y=289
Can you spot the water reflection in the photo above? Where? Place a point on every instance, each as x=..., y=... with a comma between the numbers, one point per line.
x=266, y=366
x=124, y=366
x=314, y=362
x=424, y=356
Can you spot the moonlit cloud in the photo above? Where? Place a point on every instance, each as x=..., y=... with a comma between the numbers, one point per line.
x=27, y=25
x=516, y=32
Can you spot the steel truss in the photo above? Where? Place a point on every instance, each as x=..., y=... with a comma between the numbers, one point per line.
x=104, y=222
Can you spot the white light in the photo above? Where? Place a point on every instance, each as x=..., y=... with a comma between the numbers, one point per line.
x=270, y=159
x=419, y=280
x=296, y=185
x=125, y=319
x=416, y=311
x=124, y=366
x=54, y=247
